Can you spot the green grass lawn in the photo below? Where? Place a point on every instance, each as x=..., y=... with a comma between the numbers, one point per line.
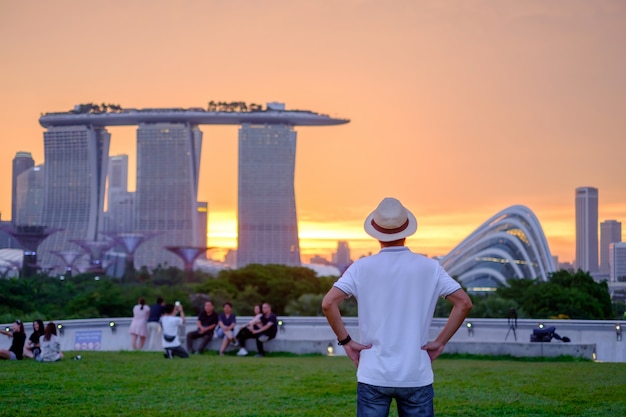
x=146, y=384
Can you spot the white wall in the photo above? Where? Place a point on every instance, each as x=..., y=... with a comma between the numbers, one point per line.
x=312, y=334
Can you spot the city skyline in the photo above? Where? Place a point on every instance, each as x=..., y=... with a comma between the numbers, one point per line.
x=459, y=110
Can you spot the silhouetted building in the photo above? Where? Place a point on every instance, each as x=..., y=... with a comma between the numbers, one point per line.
x=168, y=164
x=267, y=224
x=120, y=202
x=617, y=262
x=29, y=196
x=23, y=161
x=587, y=229
x=341, y=258
x=202, y=209
x=168, y=167
x=76, y=159
x=610, y=232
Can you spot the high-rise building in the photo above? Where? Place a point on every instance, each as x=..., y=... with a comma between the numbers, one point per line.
x=610, y=232
x=587, y=229
x=118, y=173
x=29, y=197
x=120, y=202
x=74, y=186
x=617, y=262
x=23, y=161
x=168, y=165
x=202, y=209
x=267, y=229
x=166, y=210
x=341, y=258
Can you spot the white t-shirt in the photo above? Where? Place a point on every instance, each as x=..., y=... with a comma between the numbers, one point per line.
x=170, y=325
x=396, y=291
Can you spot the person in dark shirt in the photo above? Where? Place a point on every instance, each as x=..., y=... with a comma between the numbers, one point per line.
x=16, y=350
x=264, y=331
x=226, y=326
x=156, y=311
x=31, y=347
x=207, y=321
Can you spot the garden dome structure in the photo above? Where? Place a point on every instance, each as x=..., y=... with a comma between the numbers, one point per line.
x=509, y=245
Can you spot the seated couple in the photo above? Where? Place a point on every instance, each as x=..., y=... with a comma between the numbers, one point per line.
x=262, y=327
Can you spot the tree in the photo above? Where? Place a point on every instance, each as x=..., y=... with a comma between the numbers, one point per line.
x=574, y=295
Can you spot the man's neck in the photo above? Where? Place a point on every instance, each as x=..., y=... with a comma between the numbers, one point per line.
x=399, y=242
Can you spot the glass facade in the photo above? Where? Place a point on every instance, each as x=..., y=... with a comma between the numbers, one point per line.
x=587, y=229
x=267, y=225
x=617, y=262
x=120, y=202
x=74, y=186
x=610, y=232
x=22, y=162
x=168, y=165
x=509, y=245
x=29, y=197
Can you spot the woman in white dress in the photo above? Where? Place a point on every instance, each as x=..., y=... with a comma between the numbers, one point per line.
x=139, y=325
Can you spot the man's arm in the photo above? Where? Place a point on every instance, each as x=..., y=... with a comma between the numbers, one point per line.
x=212, y=326
x=330, y=307
x=461, y=306
x=182, y=313
x=264, y=328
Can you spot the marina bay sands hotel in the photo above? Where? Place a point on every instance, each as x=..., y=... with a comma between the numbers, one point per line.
x=169, y=141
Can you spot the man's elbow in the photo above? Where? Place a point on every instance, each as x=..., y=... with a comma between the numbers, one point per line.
x=327, y=305
x=466, y=305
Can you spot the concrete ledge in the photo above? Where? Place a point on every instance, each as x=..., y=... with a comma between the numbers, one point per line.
x=546, y=349
x=313, y=335
x=299, y=347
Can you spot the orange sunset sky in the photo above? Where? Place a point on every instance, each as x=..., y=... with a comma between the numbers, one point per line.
x=458, y=108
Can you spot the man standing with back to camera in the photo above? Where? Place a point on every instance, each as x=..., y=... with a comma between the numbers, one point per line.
x=396, y=291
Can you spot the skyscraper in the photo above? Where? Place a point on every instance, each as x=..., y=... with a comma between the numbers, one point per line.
x=29, y=197
x=168, y=167
x=610, y=232
x=74, y=185
x=617, y=262
x=120, y=207
x=267, y=226
x=22, y=162
x=587, y=229
x=168, y=160
x=341, y=258
x=202, y=209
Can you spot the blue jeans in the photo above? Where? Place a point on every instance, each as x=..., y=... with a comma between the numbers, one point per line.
x=374, y=401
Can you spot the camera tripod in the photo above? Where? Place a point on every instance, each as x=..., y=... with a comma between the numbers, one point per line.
x=512, y=321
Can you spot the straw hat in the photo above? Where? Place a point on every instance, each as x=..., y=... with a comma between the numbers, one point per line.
x=390, y=221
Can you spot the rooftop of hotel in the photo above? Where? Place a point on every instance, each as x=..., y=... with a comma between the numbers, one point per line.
x=216, y=113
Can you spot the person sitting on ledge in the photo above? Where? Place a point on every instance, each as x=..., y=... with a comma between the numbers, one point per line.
x=207, y=321
x=267, y=331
